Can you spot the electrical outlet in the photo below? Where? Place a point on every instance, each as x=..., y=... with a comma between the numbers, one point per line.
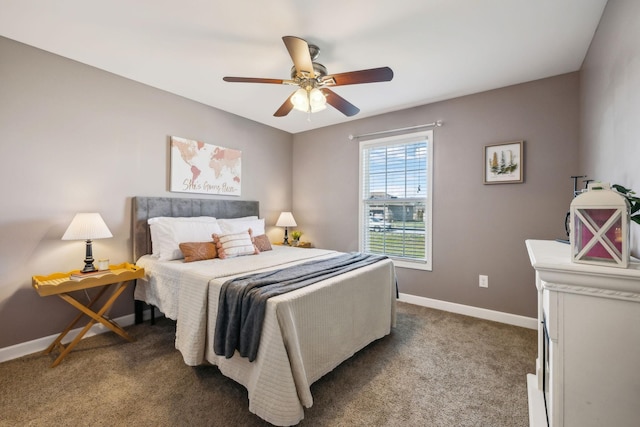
x=484, y=281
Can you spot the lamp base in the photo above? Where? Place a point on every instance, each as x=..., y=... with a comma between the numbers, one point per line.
x=88, y=268
x=88, y=259
x=286, y=237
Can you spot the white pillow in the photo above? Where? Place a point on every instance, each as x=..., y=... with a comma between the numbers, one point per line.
x=236, y=225
x=244, y=218
x=168, y=232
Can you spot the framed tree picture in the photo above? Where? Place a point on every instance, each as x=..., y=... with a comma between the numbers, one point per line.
x=504, y=163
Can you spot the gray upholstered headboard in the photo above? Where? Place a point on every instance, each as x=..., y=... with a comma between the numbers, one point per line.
x=144, y=208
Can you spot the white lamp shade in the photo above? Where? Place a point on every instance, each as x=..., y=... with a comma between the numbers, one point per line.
x=87, y=226
x=286, y=220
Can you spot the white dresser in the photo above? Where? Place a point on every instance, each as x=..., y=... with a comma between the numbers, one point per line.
x=588, y=366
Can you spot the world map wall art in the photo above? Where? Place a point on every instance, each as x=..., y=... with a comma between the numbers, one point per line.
x=197, y=167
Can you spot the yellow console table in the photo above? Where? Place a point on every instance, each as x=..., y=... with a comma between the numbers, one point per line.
x=62, y=284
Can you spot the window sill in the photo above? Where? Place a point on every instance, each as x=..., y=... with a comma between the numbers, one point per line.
x=398, y=263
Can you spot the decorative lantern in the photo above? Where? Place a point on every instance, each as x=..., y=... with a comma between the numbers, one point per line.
x=600, y=227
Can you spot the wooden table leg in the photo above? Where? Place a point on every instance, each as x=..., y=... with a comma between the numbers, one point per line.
x=64, y=333
x=95, y=317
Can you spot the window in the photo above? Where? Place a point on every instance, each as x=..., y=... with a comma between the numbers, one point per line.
x=395, y=198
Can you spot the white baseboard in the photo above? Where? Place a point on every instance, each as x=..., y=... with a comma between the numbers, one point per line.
x=467, y=310
x=41, y=344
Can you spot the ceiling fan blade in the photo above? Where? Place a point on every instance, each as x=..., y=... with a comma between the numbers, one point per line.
x=299, y=52
x=339, y=103
x=373, y=75
x=252, y=80
x=284, y=108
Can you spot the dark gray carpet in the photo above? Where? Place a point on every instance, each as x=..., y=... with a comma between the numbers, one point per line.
x=435, y=369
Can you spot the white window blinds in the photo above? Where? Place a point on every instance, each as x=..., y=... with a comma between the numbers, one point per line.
x=395, y=198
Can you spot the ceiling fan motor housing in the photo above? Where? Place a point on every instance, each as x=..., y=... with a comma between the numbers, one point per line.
x=318, y=69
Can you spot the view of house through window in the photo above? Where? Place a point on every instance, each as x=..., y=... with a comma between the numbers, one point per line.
x=395, y=198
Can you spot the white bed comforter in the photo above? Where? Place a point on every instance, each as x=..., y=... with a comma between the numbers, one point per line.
x=306, y=333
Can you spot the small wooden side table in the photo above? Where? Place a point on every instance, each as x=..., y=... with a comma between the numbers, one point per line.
x=62, y=284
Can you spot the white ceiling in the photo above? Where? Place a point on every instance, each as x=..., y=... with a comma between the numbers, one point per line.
x=438, y=49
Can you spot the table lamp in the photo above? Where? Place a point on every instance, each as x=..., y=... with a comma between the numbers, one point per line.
x=286, y=220
x=87, y=226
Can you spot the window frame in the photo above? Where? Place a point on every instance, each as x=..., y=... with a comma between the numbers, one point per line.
x=363, y=223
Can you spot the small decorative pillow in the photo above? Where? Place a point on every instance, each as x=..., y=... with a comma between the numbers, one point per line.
x=198, y=251
x=235, y=244
x=262, y=243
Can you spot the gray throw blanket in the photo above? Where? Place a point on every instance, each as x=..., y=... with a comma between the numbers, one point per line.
x=243, y=300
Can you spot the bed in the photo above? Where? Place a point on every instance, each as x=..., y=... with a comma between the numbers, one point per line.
x=306, y=333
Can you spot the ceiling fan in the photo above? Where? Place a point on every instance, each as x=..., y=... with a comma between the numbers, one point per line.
x=314, y=82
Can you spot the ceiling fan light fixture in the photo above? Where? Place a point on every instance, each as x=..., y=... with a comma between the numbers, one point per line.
x=309, y=101
x=317, y=101
x=300, y=100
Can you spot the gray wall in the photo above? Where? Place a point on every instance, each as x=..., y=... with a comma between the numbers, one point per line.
x=478, y=229
x=77, y=139
x=610, y=102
